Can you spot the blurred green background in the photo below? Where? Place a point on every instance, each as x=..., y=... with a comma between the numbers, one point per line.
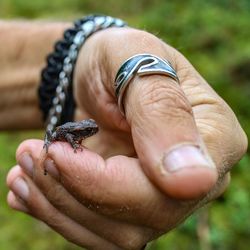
x=215, y=36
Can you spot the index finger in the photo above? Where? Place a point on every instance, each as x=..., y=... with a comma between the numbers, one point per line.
x=116, y=187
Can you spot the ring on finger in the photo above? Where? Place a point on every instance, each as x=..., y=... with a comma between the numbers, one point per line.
x=140, y=64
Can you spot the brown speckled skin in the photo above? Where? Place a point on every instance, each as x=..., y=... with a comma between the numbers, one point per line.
x=71, y=132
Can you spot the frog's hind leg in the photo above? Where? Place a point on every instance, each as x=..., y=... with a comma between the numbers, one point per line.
x=74, y=144
x=47, y=140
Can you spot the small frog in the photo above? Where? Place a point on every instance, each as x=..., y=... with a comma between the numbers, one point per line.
x=71, y=132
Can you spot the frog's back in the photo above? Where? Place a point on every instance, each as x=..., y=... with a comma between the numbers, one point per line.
x=67, y=126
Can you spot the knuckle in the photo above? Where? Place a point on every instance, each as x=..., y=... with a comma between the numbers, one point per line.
x=225, y=139
x=139, y=42
x=52, y=219
x=144, y=39
x=56, y=194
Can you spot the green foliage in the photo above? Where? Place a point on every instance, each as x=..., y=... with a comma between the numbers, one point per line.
x=214, y=36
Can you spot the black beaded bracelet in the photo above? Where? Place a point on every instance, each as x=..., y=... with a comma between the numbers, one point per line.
x=56, y=91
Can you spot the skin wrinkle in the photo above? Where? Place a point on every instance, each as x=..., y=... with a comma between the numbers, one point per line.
x=186, y=74
x=13, y=54
x=105, y=75
x=54, y=193
x=178, y=115
x=219, y=126
x=98, y=90
x=8, y=118
x=90, y=181
x=201, y=96
x=155, y=97
x=170, y=94
x=225, y=161
x=186, y=70
x=202, y=101
x=115, y=174
x=25, y=69
x=161, y=225
x=26, y=76
x=25, y=87
x=92, y=72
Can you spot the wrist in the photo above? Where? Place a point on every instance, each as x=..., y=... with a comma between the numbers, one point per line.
x=24, y=46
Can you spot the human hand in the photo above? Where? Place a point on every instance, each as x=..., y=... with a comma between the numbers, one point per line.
x=160, y=116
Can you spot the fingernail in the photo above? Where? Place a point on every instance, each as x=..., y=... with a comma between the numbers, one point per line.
x=186, y=156
x=50, y=167
x=26, y=163
x=16, y=202
x=20, y=188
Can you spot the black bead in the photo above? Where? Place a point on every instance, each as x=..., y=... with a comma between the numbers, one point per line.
x=70, y=33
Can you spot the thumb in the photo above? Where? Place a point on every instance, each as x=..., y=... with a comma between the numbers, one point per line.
x=166, y=138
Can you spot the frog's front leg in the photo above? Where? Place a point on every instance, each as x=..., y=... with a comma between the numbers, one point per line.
x=74, y=143
x=47, y=139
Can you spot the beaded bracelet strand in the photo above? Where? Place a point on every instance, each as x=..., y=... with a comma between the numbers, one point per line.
x=56, y=89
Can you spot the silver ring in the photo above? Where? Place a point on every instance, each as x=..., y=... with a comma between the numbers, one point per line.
x=140, y=64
